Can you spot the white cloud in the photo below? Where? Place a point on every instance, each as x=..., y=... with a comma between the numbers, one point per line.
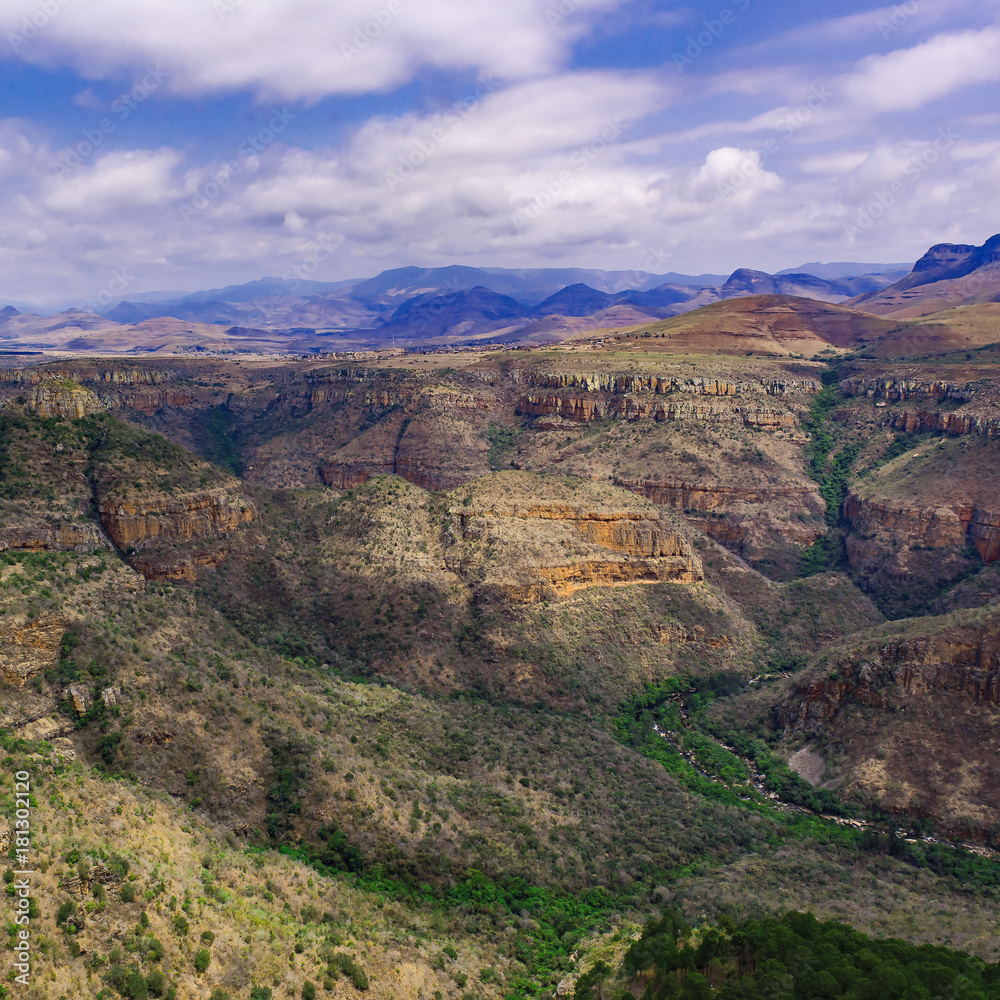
x=911, y=78
x=116, y=181
x=293, y=48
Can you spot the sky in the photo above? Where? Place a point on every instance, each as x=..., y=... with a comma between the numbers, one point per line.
x=186, y=144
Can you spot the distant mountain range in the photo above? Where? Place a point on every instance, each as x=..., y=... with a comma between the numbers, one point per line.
x=948, y=275
x=415, y=307
x=414, y=304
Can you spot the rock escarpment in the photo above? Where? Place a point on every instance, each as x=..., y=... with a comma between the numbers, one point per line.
x=964, y=660
x=883, y=525
x=56, y=397
x=912, y=712
x=28, y=647
x=166, y=538
x=977, y=401
x=41, y=535
x=528, y=549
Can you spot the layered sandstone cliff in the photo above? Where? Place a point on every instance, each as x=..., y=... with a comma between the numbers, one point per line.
x=56, y=397
x=37, y=534
x=29, y=647
x=964, y=663
x=168, y=537
x=526, y=549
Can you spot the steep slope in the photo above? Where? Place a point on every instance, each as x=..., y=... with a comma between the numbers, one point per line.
x=947, y=275
x=85, y=483
x=910, y=716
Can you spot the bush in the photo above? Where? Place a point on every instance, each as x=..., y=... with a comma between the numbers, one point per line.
x=66, y=912
x=156, y=983
x=308, y=991
x=202, y=961
x=135, y=987
x=260, y=993
x=208, y=938
x=128, y=893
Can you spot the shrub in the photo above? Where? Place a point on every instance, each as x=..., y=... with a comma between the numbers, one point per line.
x=135, y=987
x=260, y=993
x=308, y=991
x=156, y=983
x=207, y=937
x=202, y=960
x=128, y=893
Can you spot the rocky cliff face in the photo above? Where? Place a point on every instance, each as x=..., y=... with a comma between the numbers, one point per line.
x=979, y=413
x=41, y=535
x=585, y=409
x=29, y=647
x=62, y=398
x=737, y=516
x=896, y=390
x=165, y=538
x=540, y=549
x=885, y=526
x=902, y=667
x=913, y=715
x=908, y=552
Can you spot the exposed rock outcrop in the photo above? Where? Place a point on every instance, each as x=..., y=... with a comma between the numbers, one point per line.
x=29, y=647
x=729, y=514
x=149, y=529
x=584, y=409
x=885, y=526
x=959, y=661
x=38, y=535
x=606, y=547
x=896, y=390
x=56, y=397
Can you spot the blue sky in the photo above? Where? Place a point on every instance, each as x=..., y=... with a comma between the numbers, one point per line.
x=184, y=144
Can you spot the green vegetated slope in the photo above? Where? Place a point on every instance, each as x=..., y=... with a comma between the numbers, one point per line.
x=331, y=745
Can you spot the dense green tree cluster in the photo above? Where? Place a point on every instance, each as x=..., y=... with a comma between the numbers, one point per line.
x=796, y=957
